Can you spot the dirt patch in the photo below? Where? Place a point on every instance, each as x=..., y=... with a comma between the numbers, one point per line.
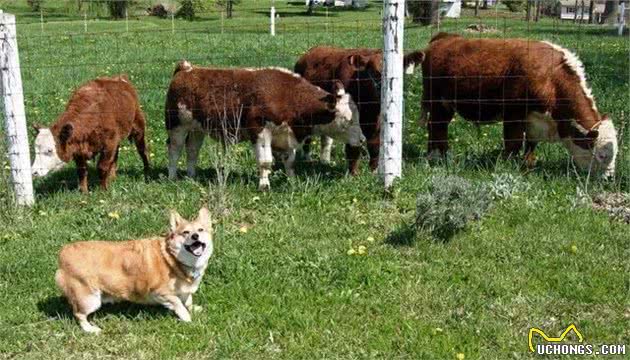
x=480, y=28
x=617, y=205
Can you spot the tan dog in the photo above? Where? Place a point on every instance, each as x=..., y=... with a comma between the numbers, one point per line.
x=164, y=271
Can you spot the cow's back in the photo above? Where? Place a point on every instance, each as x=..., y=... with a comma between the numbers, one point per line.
x=101, y=108
x=484, y=77
x=238, y=98
x=321, y=65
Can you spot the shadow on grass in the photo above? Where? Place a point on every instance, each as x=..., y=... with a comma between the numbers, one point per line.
x=57, y=307
x=282, y=14
x=404, y=235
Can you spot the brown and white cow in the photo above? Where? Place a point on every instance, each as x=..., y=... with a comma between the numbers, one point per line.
x=274, y=108
x=99, y=115
x=360, y=72
x=537, y=88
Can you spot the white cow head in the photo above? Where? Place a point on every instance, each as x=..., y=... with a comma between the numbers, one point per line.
x=601, y=155
x=46, y=158
x=345, y=127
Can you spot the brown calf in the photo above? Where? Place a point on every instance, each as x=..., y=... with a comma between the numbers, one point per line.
x=99, y=115
x=536, y=88
x=360, y=72
x=271, y=107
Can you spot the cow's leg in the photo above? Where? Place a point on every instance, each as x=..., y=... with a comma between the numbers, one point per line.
x=264, y=158
x=306, y=149
x=82, y=173
x=373, y=146
x=288, y=158
x=325, y=149
x=193, y=145
x=104, y=166
x=513, y=135
x=176, y=140
x=353, y=153
x=530, y=157
x=138, y=140
x=114, y=167
x=439, y=119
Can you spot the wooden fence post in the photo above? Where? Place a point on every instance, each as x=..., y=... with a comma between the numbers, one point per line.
x=14, y=115
x=392, y=109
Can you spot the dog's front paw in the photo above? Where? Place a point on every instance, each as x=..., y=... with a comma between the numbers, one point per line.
x=91, y=329
x=185, y=318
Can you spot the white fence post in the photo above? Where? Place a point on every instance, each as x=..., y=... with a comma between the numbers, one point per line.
x=272, y=15
x=392, y=109
x=14, y=115
x=622, y=17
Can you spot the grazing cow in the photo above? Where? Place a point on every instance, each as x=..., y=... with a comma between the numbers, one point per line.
x=360, y=72
x=274, y=108
x=537, y=88
x=99, y=115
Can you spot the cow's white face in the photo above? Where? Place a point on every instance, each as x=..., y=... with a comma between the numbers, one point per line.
x=46, y=158
x=604, y=153
x=345, y=127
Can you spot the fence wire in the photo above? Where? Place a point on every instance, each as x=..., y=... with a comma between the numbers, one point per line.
x=64, y=48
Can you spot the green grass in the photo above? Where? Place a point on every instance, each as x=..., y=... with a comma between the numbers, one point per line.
x=287, y=288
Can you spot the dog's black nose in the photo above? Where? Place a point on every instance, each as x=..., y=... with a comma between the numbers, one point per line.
x=195, y=236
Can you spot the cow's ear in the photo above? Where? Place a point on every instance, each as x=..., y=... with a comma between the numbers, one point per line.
x=338, y=89
x=359, y=62
x=37, y=127
x=65, y=133
x=582, y=137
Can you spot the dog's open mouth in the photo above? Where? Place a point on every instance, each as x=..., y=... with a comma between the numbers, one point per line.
x=197, y=248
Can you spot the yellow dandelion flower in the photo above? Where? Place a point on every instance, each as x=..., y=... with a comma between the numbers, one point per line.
x=114, y=215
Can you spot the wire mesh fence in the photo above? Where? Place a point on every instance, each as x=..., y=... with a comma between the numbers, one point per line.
x=64, y=47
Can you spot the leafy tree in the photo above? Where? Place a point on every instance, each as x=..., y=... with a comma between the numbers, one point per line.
x=118, y=8
x=35, y=5
x=229, y=6
x=189, y=8
x=424, y=12
x=515, y=5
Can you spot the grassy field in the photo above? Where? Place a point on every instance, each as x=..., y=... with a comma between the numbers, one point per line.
x=282, y=284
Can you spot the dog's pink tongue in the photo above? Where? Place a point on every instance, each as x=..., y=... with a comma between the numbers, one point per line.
x=198, y=251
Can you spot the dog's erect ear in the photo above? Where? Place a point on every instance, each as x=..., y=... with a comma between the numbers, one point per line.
x=359, y=62
x=176, y=220
x=204, y=217
x=65, y=133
